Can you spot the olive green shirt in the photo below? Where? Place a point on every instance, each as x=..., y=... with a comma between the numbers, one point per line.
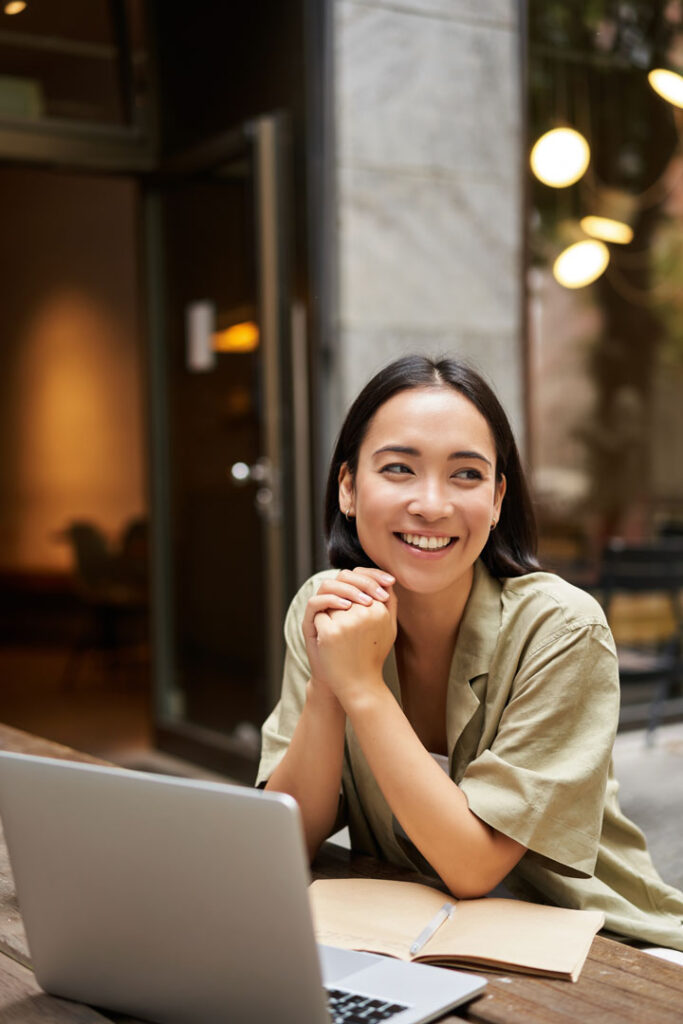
x=532, y=708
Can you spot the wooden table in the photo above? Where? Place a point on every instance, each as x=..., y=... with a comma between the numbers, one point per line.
x=617, y=984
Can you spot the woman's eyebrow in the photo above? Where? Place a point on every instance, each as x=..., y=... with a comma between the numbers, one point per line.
x=405, y=450
x=470, y=455
x=400, y=448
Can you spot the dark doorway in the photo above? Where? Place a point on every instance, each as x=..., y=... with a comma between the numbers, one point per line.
x=223, y=465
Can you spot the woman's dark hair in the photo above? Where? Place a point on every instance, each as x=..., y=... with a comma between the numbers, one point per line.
x=511, y=547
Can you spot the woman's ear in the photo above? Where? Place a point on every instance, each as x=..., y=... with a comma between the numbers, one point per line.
x=501, y=487
x=347, y=496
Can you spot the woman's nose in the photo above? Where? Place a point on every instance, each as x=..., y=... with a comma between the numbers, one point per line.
x=430, y=502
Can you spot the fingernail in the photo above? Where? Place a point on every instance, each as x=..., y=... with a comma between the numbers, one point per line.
x=381, y=592
x=388, y=578
x=347, y=604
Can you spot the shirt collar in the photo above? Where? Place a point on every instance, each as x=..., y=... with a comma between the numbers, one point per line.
x=479, y=627
x=477, y=636
x=474, y=649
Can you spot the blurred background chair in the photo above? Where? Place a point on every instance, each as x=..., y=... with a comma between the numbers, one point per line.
x=111, y=581
x=640, y=587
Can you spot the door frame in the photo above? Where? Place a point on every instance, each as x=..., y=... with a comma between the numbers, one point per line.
x=285, y=437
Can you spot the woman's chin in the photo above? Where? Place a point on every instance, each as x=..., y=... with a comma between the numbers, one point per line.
x=430, y=586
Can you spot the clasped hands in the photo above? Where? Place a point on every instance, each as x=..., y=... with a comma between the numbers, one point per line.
x=349, y=627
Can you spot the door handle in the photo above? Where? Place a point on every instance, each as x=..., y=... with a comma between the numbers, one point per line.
x=267, y=499
x=242, y=473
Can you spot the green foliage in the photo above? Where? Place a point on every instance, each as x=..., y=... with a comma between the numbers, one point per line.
x=667, y=295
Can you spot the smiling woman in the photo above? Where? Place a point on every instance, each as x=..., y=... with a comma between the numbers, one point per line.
x=436, y=640
x=427, y=517
x=510, y=550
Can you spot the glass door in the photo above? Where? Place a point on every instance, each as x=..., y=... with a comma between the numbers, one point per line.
x=223, y=479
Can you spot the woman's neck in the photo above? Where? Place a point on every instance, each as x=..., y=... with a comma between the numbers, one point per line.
x=432, y=619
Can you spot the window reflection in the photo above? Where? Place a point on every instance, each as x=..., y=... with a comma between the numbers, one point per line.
x=82, y=61
x=606, y=358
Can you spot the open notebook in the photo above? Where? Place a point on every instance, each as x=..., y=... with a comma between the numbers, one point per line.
x=501, y=934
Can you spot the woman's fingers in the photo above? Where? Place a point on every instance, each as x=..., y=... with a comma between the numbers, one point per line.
x=380, y=574
x=362, y=586
x=364, y=594
x=379, y=581
x=322, y=603
x=326, y=602
x=328, y=622
x=359, y=587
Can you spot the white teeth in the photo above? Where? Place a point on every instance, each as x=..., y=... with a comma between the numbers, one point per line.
x=425, y=543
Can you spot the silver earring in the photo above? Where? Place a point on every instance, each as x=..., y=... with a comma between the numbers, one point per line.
x=493, y=524
x=348, y=515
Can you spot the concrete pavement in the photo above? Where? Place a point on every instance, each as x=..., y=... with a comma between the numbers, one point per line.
x=651, y=793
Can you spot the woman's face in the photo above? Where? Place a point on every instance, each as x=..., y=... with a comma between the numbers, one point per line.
x=425, y=492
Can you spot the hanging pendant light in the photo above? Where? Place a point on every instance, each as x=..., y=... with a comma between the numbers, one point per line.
x=581, y=263
x=612, y=216
x=667, y=84
x=607, y=229
x=560, y=157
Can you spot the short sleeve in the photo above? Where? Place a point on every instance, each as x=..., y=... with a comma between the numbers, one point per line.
x=542, y=781
x=278, y=729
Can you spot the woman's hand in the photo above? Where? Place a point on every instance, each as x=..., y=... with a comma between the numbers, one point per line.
x=354, y=586
x=349, y=627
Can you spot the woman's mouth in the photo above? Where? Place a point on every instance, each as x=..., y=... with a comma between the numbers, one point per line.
x=425, y=543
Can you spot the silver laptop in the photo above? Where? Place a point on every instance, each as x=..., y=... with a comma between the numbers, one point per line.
x=185, y=902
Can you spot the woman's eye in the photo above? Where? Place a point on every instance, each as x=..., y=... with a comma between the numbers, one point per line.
x=395, y=467
x=468, y=474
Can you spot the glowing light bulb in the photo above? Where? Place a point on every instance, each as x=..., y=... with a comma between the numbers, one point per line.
x=581, y=264
x=560, y=157
x=15, y=7
x=242, y=337
x=668, y=85
x=608, y=229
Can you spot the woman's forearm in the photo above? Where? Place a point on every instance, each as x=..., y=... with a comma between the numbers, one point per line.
x=311, y=769
x=469, y=855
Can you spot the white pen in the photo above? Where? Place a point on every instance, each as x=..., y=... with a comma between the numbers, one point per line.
x=442, y=915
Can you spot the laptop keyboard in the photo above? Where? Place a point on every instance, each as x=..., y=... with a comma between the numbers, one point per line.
x=351, y=1008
